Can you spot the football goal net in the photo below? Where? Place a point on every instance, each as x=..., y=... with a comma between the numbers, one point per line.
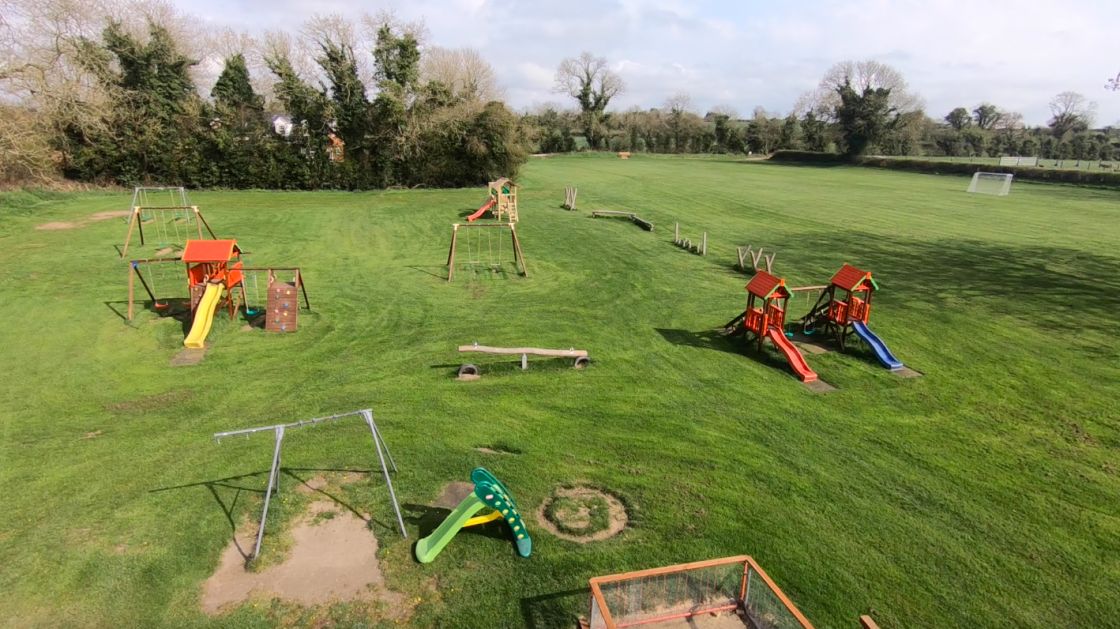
x=998, y=184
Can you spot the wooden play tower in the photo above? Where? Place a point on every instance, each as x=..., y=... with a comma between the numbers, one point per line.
x=764, y=318
x=844, y=309
x=504, y=193
x=846, y=300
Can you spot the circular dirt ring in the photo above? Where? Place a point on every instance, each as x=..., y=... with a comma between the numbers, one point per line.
x=582, y=514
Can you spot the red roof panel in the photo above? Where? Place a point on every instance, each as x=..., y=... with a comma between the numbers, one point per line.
x=209, y=250
x=849, y=277
x=763, y=284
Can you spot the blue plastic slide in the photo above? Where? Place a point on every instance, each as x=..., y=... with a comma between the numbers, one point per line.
x=877, y=345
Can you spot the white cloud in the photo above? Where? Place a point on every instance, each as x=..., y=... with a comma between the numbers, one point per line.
x=743, y=54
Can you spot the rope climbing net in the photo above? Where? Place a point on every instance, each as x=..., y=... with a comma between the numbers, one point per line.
x=163, y=216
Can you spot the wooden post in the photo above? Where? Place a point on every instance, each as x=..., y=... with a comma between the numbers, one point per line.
x=302, y=287
x=704, y=245
x=203, y=222
x=451, y=252
x=131, y=289
x=517, y=249
x=770, y=262
x=867, y=622
x=676, y=233
x=739, y=253
x=133, y=222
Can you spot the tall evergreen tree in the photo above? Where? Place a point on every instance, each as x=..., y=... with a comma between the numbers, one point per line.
x=233, y=89
x=863, y=117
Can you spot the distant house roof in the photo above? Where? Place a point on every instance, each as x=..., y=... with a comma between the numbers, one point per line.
x=765, y=286
x=210, y=250
x=850, y=278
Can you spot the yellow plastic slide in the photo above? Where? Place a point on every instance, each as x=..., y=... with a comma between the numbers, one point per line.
x=204, y=316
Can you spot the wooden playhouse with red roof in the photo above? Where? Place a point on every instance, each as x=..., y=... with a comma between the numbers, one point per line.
x=764, y=319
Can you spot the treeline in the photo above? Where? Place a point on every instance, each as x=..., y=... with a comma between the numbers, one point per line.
x=915, y=134
x=339, y=116
x=859, y=108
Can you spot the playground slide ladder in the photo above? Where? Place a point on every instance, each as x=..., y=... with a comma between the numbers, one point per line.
x=793, y=355
x=204, y=316
x=877, y=345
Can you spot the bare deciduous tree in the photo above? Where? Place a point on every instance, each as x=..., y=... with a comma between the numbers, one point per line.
x=463, y=71
x=590, y=81
x=1071, y=111
x=862, y=75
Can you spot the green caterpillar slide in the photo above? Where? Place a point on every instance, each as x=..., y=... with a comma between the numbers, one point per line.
x=488, y=492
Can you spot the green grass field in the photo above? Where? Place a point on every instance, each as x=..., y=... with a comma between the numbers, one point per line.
x=983, y=494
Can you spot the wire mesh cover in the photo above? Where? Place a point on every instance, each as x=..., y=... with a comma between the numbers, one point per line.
x=669, y=597
x=764, y=608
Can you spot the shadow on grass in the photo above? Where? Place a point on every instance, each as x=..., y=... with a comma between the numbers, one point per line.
x=507, y=368
x=228, y=509
x=1046, y=287
x=554, y=609
x=441, y=275
x=428, y=518
x=715, y=340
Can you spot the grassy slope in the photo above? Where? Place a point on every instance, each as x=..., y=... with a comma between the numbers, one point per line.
x=982, y=494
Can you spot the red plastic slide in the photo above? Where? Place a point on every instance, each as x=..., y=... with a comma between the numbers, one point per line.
x=796, y=360
x=482, y=210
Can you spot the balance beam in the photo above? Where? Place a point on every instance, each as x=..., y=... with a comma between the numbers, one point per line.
x=641, y=222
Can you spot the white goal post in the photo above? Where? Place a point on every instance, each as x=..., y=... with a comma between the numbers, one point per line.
x=998, y=184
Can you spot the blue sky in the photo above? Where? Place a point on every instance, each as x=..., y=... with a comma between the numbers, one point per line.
x=745, y=54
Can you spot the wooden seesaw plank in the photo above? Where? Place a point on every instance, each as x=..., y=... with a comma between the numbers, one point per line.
x=518, y=351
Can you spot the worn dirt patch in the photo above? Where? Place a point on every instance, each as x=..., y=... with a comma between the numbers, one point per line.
x=331, y=559
x=92, y=435
x=165, y=251
x=57, y=225
x=104, y=216
x=811, y=348
x=498, y=450
x=312, y=485
x=819, y=386
x=188, y=356
x=96, y=216
x=722, y=620
x=907, y=372
x=617, y=517
x=452, y=494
